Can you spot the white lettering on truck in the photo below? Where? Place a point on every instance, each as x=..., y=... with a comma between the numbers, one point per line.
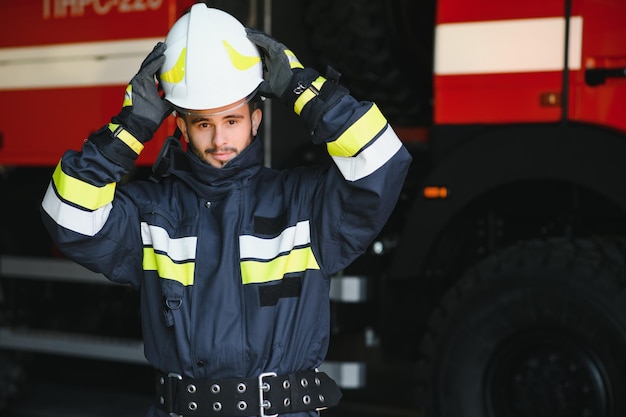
x=60, y=9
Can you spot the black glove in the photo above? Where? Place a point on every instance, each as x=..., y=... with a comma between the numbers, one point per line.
x=279, y=61
x=309, y=95
x=142, y=113
x=143, y=109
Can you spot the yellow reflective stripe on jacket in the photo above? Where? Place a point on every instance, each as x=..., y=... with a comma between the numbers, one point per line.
x=81, y=193
x=264, y=259
x=166, y=268
x=172, y=258
x=85, y=222
x=359, y=134
x=298, y=260
x=371, y=158
x=308, y=94
x=126, y=137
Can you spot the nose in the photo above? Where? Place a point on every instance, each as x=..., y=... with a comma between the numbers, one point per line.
x=220, y=137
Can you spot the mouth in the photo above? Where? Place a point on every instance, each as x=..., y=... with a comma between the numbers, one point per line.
x=222, y=156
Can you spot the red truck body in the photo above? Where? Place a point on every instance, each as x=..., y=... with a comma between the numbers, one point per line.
x=503, y=63
x=64, y=68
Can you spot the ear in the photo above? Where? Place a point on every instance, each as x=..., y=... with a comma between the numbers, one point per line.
x=180, y=122
x=256, y=117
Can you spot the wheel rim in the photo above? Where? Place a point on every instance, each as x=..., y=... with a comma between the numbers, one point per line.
x=543, y=374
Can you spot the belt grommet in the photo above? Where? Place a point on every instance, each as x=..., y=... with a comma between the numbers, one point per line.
x=161, y=400
x=317, y=381
x=321, y=397
x=304, y=382
x=306, y=400
x=242, y=405
x=191, y=388
x=162, y=380
x=192, y=406
x=286, y=402
x=215, y=389
x=241, y=387
x=286, y=384
x=217, y=406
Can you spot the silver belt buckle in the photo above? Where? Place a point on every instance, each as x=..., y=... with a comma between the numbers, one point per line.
x=180, y=378
x=264, y=387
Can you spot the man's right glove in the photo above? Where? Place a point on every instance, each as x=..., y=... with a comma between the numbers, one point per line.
x=303, y=89
x=143, y=111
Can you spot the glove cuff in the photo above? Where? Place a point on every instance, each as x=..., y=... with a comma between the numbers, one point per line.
x=117, y=144
x=141, y=128
x=311, y=96
x=300, y=81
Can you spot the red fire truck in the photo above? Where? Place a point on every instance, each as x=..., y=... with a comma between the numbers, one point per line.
x=501, y=276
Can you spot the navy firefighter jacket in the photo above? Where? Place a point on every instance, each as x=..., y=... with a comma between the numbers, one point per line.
x=233, y=264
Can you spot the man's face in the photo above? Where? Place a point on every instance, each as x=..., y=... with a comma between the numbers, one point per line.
x=218, y=135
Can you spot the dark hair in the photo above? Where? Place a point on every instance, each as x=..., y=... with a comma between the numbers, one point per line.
x=256, y=102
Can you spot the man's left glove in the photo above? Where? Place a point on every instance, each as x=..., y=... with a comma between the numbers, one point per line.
x=303, y=89
x=143, y=109
x=281, y=64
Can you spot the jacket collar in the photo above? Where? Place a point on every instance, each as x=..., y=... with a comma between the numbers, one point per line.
x=209, y=181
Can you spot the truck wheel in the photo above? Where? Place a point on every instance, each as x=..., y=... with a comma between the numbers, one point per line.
x=536, y=330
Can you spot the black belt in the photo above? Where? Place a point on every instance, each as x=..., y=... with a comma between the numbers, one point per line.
x=267, y=395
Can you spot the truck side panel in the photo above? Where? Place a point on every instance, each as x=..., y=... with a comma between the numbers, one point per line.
x=472, y=103
x=506, y=63
x=64, y=68
x=598, y=91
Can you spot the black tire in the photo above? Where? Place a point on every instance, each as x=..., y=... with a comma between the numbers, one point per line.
x=538, y=330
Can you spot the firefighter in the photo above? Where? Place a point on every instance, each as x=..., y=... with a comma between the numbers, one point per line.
x=232, y=259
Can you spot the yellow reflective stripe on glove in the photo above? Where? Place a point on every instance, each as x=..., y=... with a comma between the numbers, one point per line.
x=126, y=137
x=294, y=62
x=308, y=95
x=128, y=96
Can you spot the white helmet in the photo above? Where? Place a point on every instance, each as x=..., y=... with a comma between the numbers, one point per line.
x=209, y=61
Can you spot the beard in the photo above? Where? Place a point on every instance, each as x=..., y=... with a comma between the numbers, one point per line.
x=205, y=154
